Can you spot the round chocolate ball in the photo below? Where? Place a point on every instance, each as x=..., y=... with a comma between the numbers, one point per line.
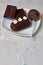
x=34, y=15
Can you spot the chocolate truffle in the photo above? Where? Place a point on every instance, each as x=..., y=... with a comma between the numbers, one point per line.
x=34, y=15
x=10, y=11
x=19, y=13
x=21, y=24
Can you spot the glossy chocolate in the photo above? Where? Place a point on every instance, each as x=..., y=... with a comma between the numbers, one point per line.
x=20, y=25
x=20, y=13
x=10, y=11
x=34, y=15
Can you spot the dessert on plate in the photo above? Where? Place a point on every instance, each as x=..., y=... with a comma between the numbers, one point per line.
x=19, y=18
x=21, y=21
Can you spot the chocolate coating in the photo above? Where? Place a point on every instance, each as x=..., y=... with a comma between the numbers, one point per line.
x=20, y=25
x=19, y=13
x=34, y=15
x=10, y=11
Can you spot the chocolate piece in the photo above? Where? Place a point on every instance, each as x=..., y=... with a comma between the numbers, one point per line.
x=20, y=25
x=33, y=15
x=19, y=13
x=10, y=11
x=22, y=21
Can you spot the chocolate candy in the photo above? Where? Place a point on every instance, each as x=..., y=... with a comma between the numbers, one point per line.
x=33, y=15
x=20, y=13
x=10, y=11
x=21, y=24
x=21, y=21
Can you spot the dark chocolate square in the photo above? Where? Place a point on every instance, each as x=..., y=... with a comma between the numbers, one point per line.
x=10, y=11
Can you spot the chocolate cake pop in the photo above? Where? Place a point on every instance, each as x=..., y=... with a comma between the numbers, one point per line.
x=34, y=15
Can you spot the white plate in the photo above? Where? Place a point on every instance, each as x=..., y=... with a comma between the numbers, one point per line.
x=28, y=32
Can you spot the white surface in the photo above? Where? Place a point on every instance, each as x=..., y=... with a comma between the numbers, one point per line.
x=13, y=44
